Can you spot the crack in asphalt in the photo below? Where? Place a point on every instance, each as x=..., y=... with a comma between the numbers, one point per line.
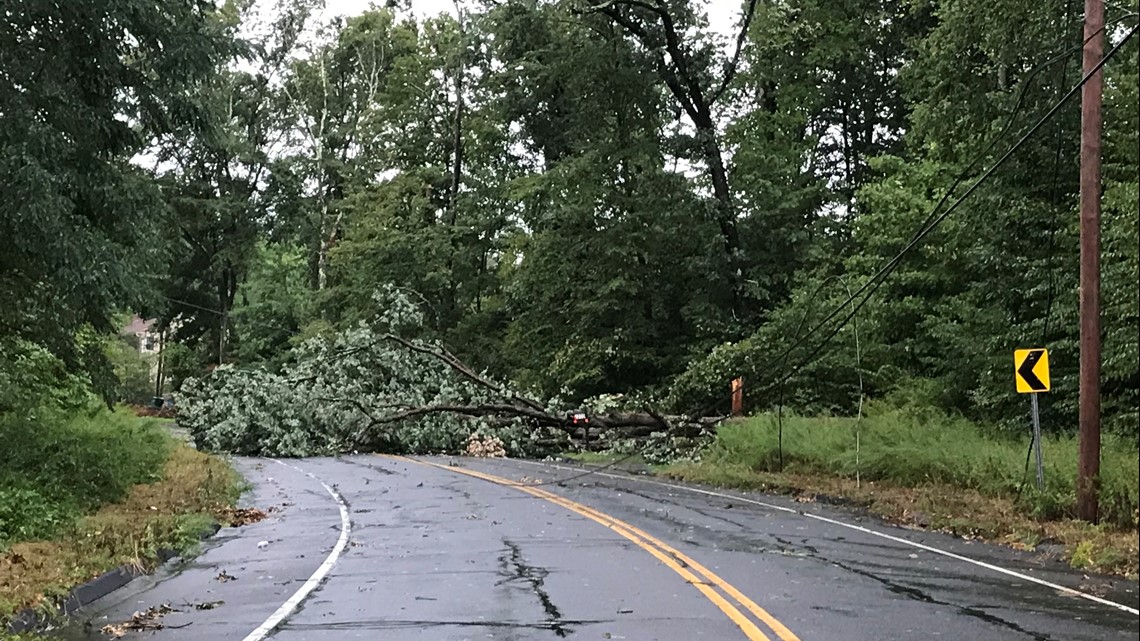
x=895, y=587
x=812, y=552
x=975, y=611
x=513, y=568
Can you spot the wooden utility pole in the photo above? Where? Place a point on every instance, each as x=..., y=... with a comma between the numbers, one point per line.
x=161, y=364
x=1088, y=465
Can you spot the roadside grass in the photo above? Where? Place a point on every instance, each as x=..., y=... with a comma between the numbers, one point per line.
x=56, y=467
x=596, y=458
x=82, y=495
x=924, y=469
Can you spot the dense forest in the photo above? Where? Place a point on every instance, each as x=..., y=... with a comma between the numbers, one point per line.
x=582, y=197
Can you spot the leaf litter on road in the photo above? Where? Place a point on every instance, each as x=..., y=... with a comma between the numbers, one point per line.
x=239, y=517
x=149, y=620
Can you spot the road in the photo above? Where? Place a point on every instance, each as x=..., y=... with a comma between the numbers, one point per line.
x=438, y=549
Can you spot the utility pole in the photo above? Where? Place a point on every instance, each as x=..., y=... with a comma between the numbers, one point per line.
x=1088, y=465
x=161, y=364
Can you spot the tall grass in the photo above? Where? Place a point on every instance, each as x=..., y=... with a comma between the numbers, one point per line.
x=195, y=491
x=56, y=467
x=911, y=448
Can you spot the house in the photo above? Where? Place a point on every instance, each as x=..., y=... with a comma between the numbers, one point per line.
x=144, y=335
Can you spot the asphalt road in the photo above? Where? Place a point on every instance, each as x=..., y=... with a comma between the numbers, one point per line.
x=437, y=550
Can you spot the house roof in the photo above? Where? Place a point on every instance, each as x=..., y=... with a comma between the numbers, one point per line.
x=138, y=325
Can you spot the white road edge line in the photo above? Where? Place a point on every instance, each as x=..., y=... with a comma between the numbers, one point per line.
x=315, y=580
x=859, y=528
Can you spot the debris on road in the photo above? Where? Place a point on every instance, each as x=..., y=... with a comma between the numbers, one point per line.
x=224, y=577
x=238, y=517
x=261, y=545
x=147, y=620
x=485, y=446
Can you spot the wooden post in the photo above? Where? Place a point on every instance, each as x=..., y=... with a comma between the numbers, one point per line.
x=1088, y=464
x=738, y=397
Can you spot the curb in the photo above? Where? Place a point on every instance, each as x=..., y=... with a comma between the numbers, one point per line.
x=31, y=620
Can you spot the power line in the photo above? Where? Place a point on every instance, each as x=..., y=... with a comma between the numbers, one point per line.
x=194, y=306
x=932, y=220
x=985, y=176
x=1050, y=290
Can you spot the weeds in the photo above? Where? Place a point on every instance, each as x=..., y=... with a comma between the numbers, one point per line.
x=950, y=472
x=189, y=491
x=54, y=468
x=906, y=450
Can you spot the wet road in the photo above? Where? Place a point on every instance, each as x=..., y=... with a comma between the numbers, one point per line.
x=453, y=549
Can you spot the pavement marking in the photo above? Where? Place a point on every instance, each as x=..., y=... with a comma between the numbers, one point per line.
x=781, y=631
x=860, y=528
x=666, y=554
x=287, y=608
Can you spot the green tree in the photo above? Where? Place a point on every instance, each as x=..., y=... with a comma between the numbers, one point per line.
x=273, y=304
x=217, y=181
x=429, y=206
x=674, y=38
x=84, y=87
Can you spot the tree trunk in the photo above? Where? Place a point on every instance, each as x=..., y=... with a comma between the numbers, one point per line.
x=323, y=247
x=451, y=304
x=725, y=212
x=681, y=76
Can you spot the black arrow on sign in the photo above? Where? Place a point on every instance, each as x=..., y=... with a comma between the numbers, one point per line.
x=1025, y=371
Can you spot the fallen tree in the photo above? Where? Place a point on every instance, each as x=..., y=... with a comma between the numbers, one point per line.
x=380, y=388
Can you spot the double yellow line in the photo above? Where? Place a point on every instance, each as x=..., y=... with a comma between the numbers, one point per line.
x=694, y=573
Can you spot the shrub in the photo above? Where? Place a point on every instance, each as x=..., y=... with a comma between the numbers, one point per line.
x=55, y=467
x=31, y=378
x=132, y=371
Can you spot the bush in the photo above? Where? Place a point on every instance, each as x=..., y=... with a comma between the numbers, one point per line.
x=56, y=467
x=132, y=371
x=31, y=377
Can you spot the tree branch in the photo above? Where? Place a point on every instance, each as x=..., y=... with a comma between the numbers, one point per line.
x=485, y=409
x=606, y=6
x=661, y=420
x=680, y=60
x=459, y=366
x=674, y=83
x=482, y=410
x=730, y=70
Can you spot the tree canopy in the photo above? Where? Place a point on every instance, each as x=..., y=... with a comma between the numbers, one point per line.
x=580, y=197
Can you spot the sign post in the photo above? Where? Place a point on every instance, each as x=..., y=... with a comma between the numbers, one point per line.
x=1031, y=373
x=1037, y=442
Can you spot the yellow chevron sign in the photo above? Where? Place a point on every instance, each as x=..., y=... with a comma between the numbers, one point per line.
x=1031, y=370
